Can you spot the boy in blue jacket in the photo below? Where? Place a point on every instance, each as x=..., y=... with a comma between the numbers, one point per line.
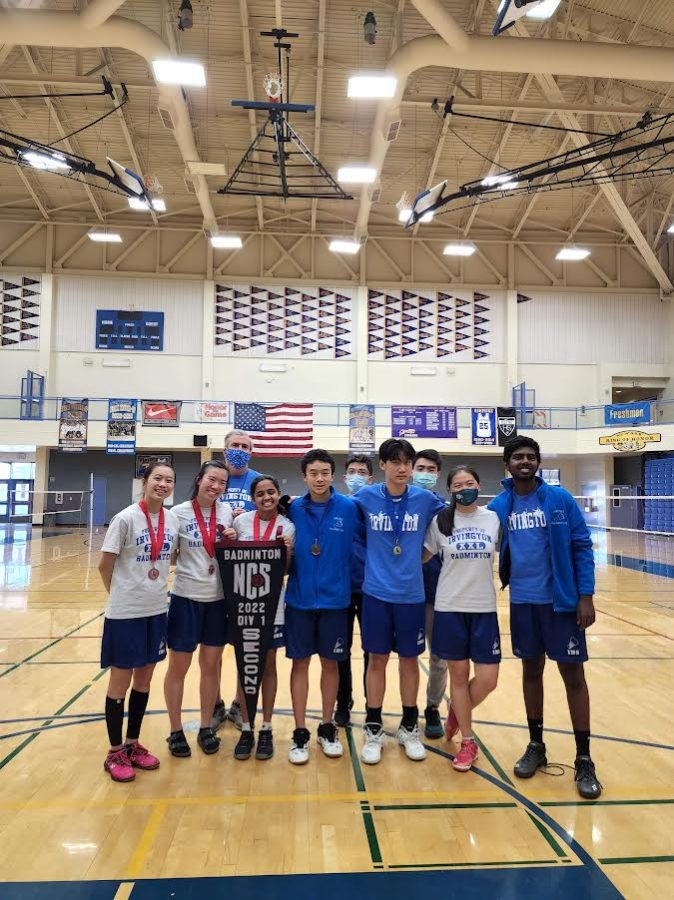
x=317, y=598
x=546, y=558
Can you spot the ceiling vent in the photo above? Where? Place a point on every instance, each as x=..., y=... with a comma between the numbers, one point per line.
x=375, y=194
x=393, y=130
x=166, y=117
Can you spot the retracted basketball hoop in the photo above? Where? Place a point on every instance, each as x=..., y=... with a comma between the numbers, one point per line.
x=510, y=11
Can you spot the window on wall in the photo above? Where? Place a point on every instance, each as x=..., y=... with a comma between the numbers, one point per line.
x=550, y=475
x=22, y=470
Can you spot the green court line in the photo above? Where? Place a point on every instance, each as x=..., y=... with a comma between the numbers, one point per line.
x=57, y=662
x=22, y=746
x=492, y=759
x=462, y=865
x=549, y=837
x=577, y=803
x=404, y=806
x=627, y=860
x=51, y=644
x=368, y=821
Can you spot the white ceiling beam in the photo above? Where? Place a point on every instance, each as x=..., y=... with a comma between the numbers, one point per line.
x=99, y=11
x=320, y=63
x=250, y=86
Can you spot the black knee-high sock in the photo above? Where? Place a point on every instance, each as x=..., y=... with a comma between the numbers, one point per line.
x=582, y=742
x=137, y=706
x=535, y=730
x=410, y=717
x=114, y=718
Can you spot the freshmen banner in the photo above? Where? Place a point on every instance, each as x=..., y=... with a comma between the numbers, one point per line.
x=361, y=428
x=506, y=424
x=121, y=439
x=252, y=579
x=73, y=426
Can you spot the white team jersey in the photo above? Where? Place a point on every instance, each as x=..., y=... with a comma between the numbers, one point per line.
x=244, y=532
x=192, y=579
x=132, y=594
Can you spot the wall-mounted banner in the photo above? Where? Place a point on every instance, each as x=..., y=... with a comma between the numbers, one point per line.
x=143, y=460
x=423, y=421
x=122, y=329
x=219, y=413
x=628, y=413
x=159, y=414
x=361, y=428
x=252, y=579
x=73, y=426
x=506, y=424
x=121, y=439
x=483, y=426
x=626, y=441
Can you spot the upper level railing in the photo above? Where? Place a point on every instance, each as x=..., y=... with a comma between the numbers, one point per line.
x=571, y=418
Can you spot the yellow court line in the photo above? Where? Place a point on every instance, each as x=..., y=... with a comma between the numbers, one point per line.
x=124, y=890
x=145, y=842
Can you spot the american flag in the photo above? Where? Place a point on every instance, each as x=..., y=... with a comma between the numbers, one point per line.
x=281, y=429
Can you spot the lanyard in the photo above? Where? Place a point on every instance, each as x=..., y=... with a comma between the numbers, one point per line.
x=317, y=523
x=396, y=513
x=207, y=536
x=156, y=539
x=268, y=531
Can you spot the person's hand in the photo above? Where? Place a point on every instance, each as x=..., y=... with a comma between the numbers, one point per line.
x=288, y=541
x=585, y=613
x=230, y=534
x=238, y=512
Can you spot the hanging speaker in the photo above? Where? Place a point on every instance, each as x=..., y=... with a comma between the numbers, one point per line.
x=200, y=440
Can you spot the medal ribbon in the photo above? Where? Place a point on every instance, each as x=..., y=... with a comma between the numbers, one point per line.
x=396, y=513
x=156, y=538
x=207, y=535
x=316, y=521
x=256, y=528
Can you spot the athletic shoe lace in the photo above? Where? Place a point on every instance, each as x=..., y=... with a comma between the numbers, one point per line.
x=585, y=770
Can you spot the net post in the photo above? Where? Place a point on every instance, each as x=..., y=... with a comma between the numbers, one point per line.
x=91, y=501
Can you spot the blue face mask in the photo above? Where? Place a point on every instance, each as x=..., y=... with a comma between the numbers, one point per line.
x=238, y=459
x=426, y=480
x=466, y=497
x=355, y=482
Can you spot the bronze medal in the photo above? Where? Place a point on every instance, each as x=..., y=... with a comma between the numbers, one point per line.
x=153, y=574
x=315, y=550
x=211, y=569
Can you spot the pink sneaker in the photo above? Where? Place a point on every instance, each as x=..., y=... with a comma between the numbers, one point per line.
x=466, y=756
x=118, y=765
x=141, y=758
x=451, y=723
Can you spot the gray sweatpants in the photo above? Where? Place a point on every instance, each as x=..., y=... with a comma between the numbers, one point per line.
x=437, y=674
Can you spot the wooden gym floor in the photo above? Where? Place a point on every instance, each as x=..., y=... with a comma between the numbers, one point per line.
x=267, y=829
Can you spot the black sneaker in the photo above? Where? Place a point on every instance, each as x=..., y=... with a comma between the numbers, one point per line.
x=533, y=759
x=245, y=746
x=219, y=715
x=177, y=744
x=587, y=783
x=265, y=744
x=343, y=715
x=434, y=728
x=208, y=742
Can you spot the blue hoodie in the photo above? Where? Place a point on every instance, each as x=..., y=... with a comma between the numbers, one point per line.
x=570, y=542
x=323, y=581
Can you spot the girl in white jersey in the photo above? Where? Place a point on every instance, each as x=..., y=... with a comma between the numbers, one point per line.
x=465, y=624
x=197, y=614
x=265, y=523
x=134, y=566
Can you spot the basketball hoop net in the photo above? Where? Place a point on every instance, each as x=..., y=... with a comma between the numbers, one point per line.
x=153, y=185
x=273, y=85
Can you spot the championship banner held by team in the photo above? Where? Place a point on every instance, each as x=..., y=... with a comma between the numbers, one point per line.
x=121, y=438
x=73, y=426
x=252, y=579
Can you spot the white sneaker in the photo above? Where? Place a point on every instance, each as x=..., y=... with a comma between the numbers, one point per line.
x=329, y=741
x=410, y=741
x=375, y=738
x=299, y=748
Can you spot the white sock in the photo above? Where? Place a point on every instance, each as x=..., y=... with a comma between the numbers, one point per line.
x=245, y=726
x=266, y=726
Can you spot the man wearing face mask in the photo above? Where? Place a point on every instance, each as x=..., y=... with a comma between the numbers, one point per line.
x=358, y=473
x=238, y=450
x=425, y=474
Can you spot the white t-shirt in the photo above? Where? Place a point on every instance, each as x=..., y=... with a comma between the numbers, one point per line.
x=132, y=594
x=192, y=579
x=466, y=582
x=244, y=532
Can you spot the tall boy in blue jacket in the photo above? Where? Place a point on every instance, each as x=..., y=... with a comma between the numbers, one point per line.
x=318, y=597
x=546, y=558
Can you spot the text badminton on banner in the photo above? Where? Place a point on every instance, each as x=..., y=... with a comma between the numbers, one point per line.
x=279, y=429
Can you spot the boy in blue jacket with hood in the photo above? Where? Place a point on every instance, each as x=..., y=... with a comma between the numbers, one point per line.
x=546, y=558
x=318, y=597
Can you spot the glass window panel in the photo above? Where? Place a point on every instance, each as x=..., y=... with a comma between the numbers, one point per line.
x=3, y=509
x=23, y=470
x=20, y=509
x=3, y=491
x=22, y=492
x=4, y=469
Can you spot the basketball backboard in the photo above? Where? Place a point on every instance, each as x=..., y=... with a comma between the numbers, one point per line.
x=510, y=11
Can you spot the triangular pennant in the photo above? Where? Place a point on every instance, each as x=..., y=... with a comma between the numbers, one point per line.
x=272, y=296
x=340, y=342
x=26, y=292
x=324, y=292
x=459, y=347
x=442, y=296
x=340, y=298
x=424, y=301
x=323, y=347
x=408, y=295
x=342, y=309
x=257, y=343
x=441, y=351
x=479, y=343
x=342, y=320
x=342, y=330
x=306, y=329
x=29, y=281
x=372, y=294
x=290, y=291
x=425, y=347
x=408, y=306
x=481, y=309
x=479, y=354
x=522, y=298
x=291, y=346
x=460, y=302
x=462, y=314
x=340, y=353
x=478, y=296
x=480, y=331
x=238, y=294
x=10, y=286
x=480, y=320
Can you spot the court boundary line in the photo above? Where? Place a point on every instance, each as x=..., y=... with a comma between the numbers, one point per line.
x=58, y=640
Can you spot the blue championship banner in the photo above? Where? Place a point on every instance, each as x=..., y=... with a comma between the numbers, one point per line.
x=628, y=413
x=483, y=426
x=121, y=438
x=423, y=421
x=361, y=428
x=252, y=579
x=73, y=426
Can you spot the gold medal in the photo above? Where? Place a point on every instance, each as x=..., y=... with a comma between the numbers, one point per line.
x=397, y=550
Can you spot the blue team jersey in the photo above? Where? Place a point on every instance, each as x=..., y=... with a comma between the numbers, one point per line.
x=389, y=577
x=237, y=493
x=531, y=565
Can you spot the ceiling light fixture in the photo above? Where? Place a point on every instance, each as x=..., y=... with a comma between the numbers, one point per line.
x=105, y=237
x=226, y=241
x=50, y=162
x=344, y=245
x=158, y=205
x=179, y=71
x=372, y=86
x=459, y=248
x=357, y=174
x=427, y=216
x=670, y=230
x=573, y=254
x=544, y=10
